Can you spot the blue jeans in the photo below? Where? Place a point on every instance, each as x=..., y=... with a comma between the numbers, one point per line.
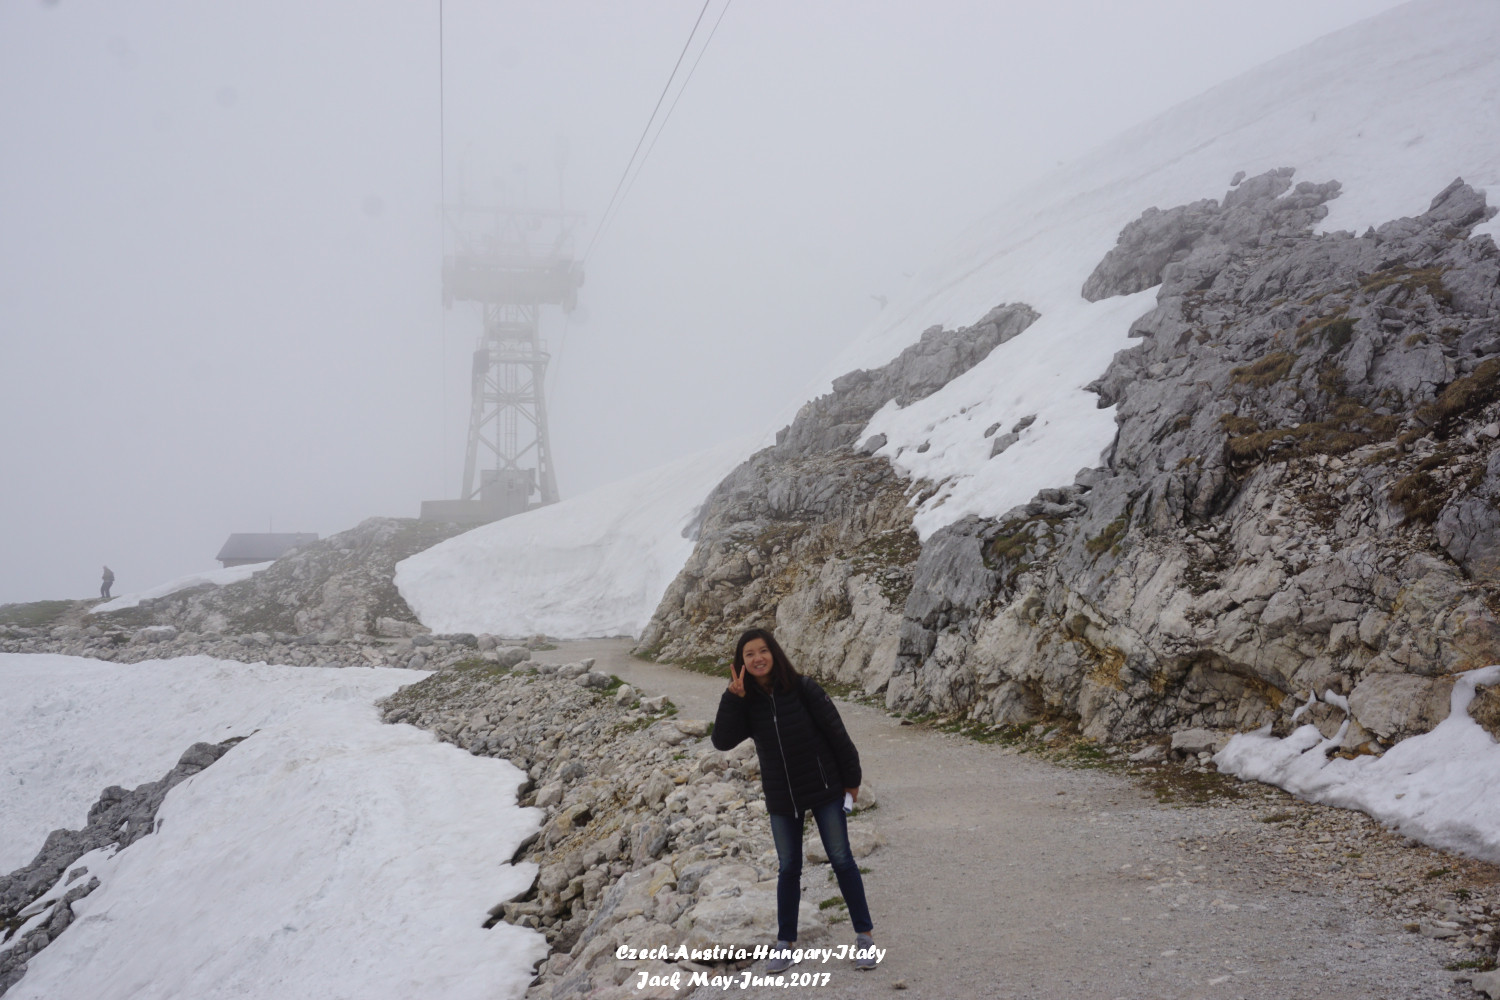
x=787, y=832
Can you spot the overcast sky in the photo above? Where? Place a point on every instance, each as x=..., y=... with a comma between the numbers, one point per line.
x=220, y=251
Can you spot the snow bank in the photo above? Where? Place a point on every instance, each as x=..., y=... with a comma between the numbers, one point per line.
x=1394, y=108
x=327, y=855
x=216, y=577
x=593, y=565
x=1437, y=787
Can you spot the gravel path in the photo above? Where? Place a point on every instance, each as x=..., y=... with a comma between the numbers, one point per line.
x=1007, y=876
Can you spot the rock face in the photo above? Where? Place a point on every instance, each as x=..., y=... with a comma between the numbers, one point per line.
x=341, y=584
x=120, y=817
x=649, y=837
x=812, y=536
x=332, y=603
x=1304, y=494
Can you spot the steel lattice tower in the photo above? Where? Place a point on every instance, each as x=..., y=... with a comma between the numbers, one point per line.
x=511, y=263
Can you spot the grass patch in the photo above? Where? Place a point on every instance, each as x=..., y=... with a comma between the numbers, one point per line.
x=1337, y=329
x=475, y=666
x=889, y=556
x=1479, y=388
x=833, y=901
x=1420, y=496
x=1350, y=426
x=1010, y=553
x=1483, y=964
x=1411, y=280
x=1108, y=539
x=1266, y=372
x=36, y=614
x=1276, y=817
x=1174, y=786
x=1239, y=426
x=714, y=666
x=1437, y=873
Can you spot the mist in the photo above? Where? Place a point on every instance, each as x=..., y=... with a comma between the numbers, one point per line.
x=220, y=304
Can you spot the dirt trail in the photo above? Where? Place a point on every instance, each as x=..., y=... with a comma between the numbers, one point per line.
x=1004, y=876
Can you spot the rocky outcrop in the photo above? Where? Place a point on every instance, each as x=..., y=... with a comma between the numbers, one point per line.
x=420, y=651
x=1307, y=420
x=341, y=586
x=813, y=536
x=649, y=838
x=1304, y=495
x=36, y=902
x=332, y=603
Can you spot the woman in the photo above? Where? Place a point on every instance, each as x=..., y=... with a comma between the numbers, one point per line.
x=807, y=764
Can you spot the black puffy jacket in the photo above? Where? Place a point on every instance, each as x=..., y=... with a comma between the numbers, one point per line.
x=806, y=756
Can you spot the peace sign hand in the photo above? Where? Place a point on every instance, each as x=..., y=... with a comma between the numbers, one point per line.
x=737, y=680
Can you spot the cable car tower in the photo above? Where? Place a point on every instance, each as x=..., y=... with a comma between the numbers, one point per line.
x=510, y=263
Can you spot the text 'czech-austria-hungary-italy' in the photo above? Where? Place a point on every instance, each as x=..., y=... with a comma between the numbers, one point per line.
x=745, y=979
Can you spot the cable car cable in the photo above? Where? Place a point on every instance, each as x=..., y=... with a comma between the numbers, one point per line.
x=647, y=130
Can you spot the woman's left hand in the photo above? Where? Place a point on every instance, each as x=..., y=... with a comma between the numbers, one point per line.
x=853, y=793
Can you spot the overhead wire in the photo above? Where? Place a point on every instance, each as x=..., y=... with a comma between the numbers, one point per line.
x=604, y=219
x=442, y=241
x=673, y=106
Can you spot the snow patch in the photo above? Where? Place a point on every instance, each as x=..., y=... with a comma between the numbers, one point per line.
x=1437, y=787
x=1039, y=374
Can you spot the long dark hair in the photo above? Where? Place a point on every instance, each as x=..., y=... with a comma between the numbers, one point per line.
x=783, y=674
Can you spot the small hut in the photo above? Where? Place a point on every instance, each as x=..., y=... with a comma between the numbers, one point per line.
x=245, y=548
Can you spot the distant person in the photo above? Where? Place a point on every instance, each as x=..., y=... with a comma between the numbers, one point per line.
x=808, y=764
x=109, y=581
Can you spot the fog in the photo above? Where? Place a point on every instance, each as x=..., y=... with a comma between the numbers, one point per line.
x=220, y=302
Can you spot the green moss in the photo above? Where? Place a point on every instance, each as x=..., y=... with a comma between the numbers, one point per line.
x=1266, y=372
x=715, y=666
x=832, y=902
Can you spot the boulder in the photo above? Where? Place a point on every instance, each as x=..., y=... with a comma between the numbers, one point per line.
x=1393, y=706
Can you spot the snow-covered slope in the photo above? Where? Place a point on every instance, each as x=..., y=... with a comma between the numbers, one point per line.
x=327, y=855
x=216, y=577
x=1394, y=108
x=593, y=565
